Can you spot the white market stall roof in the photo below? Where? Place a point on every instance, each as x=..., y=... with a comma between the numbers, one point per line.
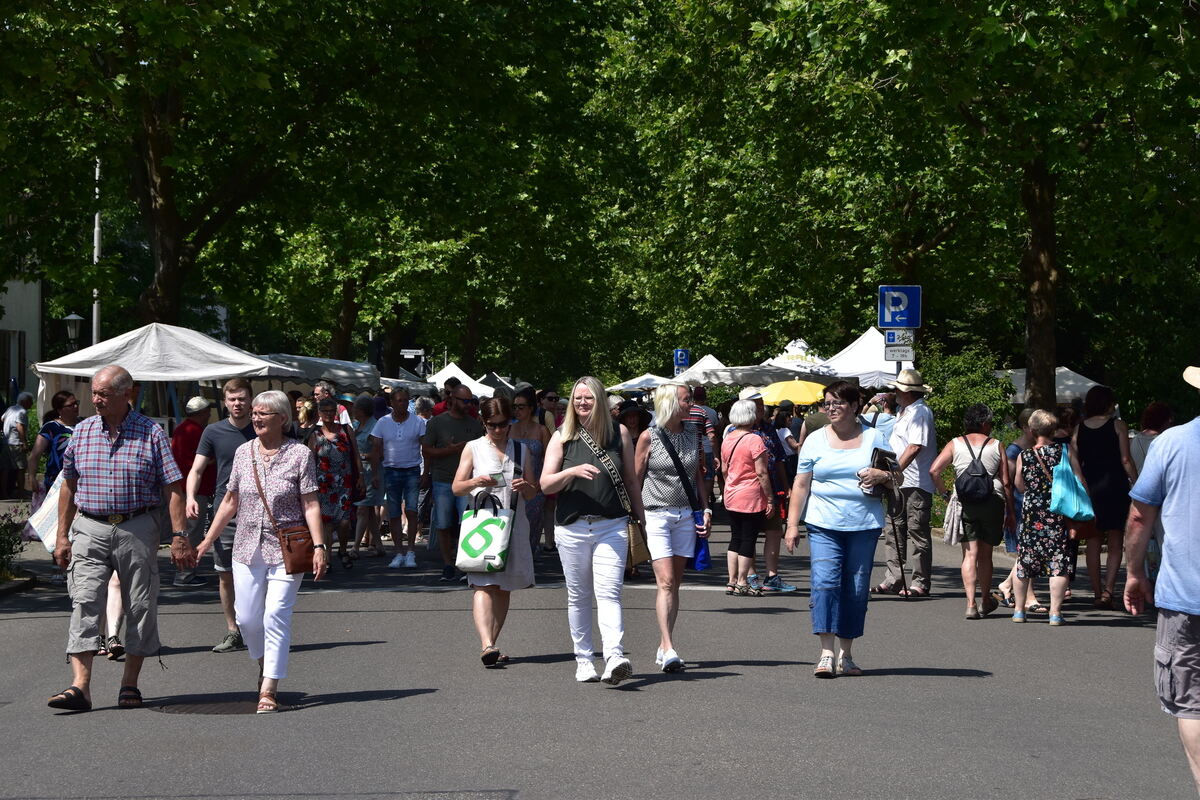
x=640, y=383
x=749, y=375
x=343, y=374
x=1068, y=384
x=863, y=359
x=796, y=355
x=155, y=352
x=158, y=352
x=438, y=379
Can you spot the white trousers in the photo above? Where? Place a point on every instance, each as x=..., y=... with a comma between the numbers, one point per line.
x=593, y=558
x=263, y=600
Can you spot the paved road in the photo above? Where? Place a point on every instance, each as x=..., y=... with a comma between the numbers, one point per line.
x=389, y=701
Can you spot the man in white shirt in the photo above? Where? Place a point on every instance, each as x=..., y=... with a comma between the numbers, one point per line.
x=914, y=442
x=396, y=441
x=16, y=422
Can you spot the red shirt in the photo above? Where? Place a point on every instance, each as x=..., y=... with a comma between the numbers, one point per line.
x=184, y=442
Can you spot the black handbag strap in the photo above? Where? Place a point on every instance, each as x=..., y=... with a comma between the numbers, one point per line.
x=683, y=476
x=611, y=468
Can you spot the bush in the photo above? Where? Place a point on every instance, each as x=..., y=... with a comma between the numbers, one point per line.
x=12, y=522
x=960, y=381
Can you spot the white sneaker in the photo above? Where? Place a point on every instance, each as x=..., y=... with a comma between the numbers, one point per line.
x=410, y=560
x=397, y=562
x=616, y=670
x=585, y=672
x=671, y=662
x=658, y=657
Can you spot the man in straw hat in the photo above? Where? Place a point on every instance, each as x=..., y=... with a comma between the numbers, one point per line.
x=914, y=442
x=1169, y=487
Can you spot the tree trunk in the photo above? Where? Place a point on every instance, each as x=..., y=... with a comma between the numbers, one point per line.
x=1039, y=269
x=469, y=348
x=342, y=341
x=152, y=186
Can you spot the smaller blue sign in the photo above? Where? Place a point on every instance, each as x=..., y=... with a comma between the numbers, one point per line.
x=899, y=307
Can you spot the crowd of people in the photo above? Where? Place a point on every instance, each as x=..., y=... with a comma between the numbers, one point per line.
x=598, y=479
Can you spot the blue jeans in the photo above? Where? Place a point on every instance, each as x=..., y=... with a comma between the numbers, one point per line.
x=841, y=579
x=403, y=484
x=447, y=509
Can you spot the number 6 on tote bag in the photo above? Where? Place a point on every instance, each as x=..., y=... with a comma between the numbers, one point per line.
x=484, y=535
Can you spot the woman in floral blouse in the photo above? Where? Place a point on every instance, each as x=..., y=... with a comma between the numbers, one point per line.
x=337, y=474
x=264, y=592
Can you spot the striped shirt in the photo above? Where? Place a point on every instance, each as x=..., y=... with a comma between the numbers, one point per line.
x=120, y=477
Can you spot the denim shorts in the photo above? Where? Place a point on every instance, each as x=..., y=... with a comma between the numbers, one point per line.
x=447, y=509
x=403, y=485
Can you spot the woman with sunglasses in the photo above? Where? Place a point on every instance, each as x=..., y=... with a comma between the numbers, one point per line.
x=591, y=520
x=843, y=524
x=337, y=474
x=497, y=453
x=534, y=435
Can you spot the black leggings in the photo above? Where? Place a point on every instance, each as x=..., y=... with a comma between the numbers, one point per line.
x=743, y=532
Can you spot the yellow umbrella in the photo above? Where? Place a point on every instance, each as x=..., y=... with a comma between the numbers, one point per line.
x=802, y=393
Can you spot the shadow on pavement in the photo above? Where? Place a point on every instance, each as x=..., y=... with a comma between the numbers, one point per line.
x=929, y=672
x=678, y=677
x=246, y=702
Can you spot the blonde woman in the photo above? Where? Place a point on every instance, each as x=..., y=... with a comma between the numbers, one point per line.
x=590, y=520
x=672, y=521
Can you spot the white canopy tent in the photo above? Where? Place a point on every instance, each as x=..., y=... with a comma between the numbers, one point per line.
x=640, y=383
x=796, y=355
x=1068, y=384
x=749, y=375
x=438, y=379
x=345, y=375
x=153, y=353
x=863, y=360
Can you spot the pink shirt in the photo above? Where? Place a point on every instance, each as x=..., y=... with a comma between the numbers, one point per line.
x=292, y=472
x=743, y=492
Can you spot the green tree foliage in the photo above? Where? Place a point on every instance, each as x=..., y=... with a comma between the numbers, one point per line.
x=959, y=381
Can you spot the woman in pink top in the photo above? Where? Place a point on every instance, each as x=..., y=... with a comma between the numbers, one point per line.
x=748, y=496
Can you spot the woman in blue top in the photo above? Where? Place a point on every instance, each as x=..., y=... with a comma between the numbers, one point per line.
x=53, y=437
x=843, y=524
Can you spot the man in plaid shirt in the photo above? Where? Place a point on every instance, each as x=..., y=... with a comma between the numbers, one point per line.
x=115, y=472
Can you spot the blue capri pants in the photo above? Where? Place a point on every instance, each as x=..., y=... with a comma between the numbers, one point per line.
x=841, y=579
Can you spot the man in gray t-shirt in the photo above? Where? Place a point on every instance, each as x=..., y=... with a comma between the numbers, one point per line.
x=219, y=442
x=445, y=437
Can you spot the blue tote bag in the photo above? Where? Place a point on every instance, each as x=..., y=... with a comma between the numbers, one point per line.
x=1067, y=495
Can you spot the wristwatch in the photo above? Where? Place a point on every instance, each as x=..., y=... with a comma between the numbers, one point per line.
x=178, y=533
x=324, y=547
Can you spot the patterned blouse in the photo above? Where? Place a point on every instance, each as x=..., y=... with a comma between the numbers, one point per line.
x=290, y=473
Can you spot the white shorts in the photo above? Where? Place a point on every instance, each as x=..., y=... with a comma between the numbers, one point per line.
x=670, y=532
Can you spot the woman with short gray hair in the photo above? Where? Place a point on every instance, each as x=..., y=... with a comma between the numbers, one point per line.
x=748, y=497
x=283, y=472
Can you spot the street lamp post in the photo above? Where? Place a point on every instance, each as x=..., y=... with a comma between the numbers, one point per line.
x=73, y=321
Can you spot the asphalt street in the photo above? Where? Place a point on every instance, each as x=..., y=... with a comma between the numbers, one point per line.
x=387, y=699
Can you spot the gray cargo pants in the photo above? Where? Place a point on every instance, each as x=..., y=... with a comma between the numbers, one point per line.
x=98, y=548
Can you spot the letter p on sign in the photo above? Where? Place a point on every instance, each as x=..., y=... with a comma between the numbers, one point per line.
x=899, y=307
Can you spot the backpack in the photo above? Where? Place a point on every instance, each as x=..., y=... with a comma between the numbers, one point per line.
x=975, y=484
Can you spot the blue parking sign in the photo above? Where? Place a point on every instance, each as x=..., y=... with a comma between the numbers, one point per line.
x=899, y=307
x=683, y=358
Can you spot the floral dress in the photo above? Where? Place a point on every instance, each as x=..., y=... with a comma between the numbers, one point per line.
x=335, y=476
x=1042, y=542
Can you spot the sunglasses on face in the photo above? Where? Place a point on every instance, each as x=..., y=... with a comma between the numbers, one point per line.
x=520, y=405
x=496, y=426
